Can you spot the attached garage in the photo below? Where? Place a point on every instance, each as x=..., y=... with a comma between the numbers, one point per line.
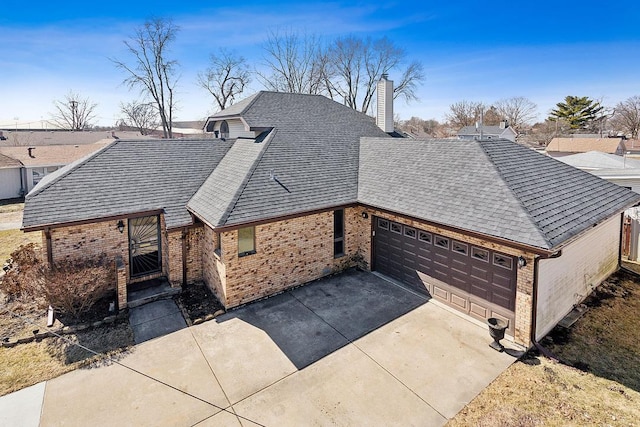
x=475, y=280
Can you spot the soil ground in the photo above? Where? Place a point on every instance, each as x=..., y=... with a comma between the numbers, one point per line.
x=198, y=301
x=597, y=382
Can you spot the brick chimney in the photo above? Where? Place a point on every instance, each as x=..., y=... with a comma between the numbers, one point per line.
x=384, y=119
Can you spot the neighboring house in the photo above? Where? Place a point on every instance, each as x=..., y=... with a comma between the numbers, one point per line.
x=481, y=132
x=297, y=187
x=10, y=178
x=36, y=138
x=559, y=147
x=33, y=163
x=620, y=170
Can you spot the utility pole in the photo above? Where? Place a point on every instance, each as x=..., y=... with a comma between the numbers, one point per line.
x=74, y=114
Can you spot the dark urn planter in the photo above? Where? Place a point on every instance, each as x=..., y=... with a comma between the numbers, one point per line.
x=496, y=329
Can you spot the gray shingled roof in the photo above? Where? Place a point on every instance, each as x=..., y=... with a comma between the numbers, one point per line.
x=314, y=158
x=562, y=200
x=237, y=108
x=127, y=177
x=312, y=155
x=215, y=198
x=497, y=188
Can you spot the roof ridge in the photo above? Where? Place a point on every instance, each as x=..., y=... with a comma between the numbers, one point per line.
x=252, y=169
x=71, y=167
x=498, y=170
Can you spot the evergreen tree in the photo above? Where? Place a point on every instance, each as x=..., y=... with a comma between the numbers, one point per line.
x=578, y=112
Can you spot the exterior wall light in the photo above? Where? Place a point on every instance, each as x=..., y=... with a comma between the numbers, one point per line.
x=120, y=226
x=365, y=215
x=522, y=262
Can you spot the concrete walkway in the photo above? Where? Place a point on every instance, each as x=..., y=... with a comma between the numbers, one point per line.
x=155, y=319
x=353, y=349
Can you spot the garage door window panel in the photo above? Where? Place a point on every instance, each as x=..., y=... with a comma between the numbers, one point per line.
x=479, y=254
x=503, y=261
x=383, y=224
x=395, y=228
x=410, y=232
x=441, y=242
x=460, y=248
x=424, y=237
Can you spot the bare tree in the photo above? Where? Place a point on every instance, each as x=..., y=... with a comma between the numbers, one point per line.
x=74, y=112
x=518, y=111
x=420, y=128
x=226, y=77
x=491, y=116
x=357, y=65
x=151, y=71
x=464, y=113
x=295, y=63
x=626, y=116
x=140, y=115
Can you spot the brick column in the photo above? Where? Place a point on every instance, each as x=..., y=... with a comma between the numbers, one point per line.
x=121, y=283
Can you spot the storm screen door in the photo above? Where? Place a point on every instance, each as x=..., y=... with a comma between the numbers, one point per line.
x=144, y=245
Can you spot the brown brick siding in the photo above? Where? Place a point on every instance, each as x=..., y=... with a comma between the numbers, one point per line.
x=194, y=254
x=213, y=269
x=288, y=253
x=173, y=253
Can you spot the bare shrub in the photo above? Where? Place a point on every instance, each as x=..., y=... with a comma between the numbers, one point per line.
x=26, y=278
x=71, y=288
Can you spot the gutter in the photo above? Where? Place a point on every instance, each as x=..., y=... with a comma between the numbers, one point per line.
x=93, y=220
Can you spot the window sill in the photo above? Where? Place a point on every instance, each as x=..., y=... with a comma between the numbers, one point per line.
x=218, y=254
x=243, y=254
x=336, y=256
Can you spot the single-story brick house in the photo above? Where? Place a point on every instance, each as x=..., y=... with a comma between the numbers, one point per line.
x=295, y=187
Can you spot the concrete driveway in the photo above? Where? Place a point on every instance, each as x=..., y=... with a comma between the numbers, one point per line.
x=353, y=349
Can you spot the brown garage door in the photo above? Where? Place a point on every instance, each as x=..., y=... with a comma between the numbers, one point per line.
x=476, y=280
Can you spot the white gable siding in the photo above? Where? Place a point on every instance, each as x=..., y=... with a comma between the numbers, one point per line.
x=565, y=281
x=236, y=129
x=9, y=183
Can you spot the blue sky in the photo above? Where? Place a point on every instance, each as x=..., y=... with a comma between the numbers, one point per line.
x=479, y=51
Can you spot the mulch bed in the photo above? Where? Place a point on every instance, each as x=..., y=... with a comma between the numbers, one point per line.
x=198, y=302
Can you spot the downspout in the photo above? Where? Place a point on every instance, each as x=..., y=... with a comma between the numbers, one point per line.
x=534, y=304
x=23, y=177
x=47, y=235
x=184, y=256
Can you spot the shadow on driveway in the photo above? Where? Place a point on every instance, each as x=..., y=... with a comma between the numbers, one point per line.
x=312, y=321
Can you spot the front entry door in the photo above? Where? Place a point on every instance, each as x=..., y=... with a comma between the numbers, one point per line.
x=144, y=245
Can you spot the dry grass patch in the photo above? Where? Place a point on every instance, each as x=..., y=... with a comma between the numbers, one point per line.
x=604, y=391
x=548, y=393
x=28, y=364
x=31, y=363
x=606, y=340
x=11, y=207
x=10, y=240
